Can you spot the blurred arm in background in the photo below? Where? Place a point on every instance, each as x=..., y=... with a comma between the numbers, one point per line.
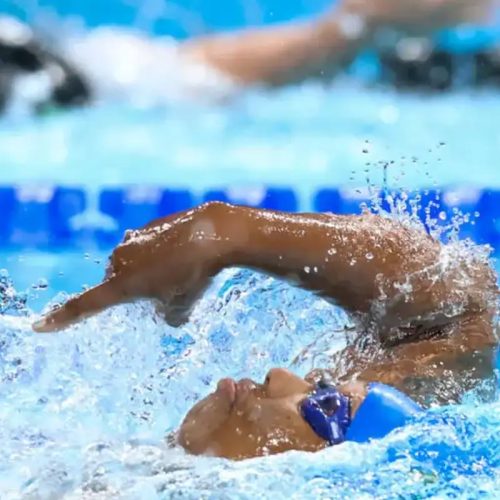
x=275, y=56
x=109, y=64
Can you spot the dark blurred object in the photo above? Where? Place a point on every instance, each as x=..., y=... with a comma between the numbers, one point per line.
x=415, y=63
x=487, y=67
x=22, y=55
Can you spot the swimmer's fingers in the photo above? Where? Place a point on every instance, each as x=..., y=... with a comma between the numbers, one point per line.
x=88, y=303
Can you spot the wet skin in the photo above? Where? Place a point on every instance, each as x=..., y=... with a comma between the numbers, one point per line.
x=246, y=419
x=424, y=315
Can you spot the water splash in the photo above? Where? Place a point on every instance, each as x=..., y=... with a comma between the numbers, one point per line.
x=125, y=374
x=11, y=301
x=86, y=411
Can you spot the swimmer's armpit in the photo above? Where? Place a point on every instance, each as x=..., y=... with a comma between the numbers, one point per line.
x=366, y=264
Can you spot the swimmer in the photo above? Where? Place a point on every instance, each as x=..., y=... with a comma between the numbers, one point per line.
x=424, y=319
x=291, y=53
x=105, y=64
x=33, y=76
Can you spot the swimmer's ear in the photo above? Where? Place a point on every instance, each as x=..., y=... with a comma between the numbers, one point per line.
x=88, y=303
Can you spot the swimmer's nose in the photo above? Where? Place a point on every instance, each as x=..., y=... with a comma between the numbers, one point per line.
x=281, y=383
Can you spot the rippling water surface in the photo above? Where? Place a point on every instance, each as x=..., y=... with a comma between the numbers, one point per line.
x=84, y=413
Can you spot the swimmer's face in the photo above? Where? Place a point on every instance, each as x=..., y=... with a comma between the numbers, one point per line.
x=245, y=419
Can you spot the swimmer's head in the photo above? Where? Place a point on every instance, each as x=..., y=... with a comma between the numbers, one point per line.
x=245, y=419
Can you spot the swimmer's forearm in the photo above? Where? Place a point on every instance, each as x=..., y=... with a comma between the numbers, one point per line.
x=287, y=54
x=336, y=256
x=355, y=261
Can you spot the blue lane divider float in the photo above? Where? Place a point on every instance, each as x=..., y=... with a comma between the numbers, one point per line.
x=272, y=198
x=45, y=217
x=39, y=216
x=135, y=206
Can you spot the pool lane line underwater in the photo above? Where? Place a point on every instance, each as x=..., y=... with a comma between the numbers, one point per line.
x=52, y=217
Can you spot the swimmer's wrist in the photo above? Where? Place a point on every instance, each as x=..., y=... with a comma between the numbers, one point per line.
x=347, y=22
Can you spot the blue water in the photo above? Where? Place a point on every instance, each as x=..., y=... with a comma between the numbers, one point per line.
x=84, y=412
x=305, y=137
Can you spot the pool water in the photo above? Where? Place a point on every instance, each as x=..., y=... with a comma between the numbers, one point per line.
x=305, y=137
x=84, y=412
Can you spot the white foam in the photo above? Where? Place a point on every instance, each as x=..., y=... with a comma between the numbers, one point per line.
x=128, y=65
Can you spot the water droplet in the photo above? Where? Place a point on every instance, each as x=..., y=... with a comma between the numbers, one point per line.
x=442, y=215
x=369, y=256
x=41, y=284
x=315, y=269
x=353, y=261
x=332, y=251
x=307, y=269
x=476, y=214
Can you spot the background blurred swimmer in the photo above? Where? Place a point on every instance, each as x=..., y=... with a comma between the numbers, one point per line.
x=424, y=314
x=117, y=65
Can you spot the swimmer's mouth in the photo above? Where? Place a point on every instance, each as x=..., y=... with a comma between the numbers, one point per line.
x=236, y=393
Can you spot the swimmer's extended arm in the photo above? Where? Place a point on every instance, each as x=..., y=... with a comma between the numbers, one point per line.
x=293, y=52
x=286, y=54
x=366, y=264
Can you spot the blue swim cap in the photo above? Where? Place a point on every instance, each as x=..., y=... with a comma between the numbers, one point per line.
x=384, y=409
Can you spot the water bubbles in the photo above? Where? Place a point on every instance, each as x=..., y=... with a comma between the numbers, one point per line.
x=332, y=251
x=11, y=301
x=369, y=256
x=307, y=269
x=442, y=215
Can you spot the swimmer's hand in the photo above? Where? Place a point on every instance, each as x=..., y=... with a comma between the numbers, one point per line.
x=420, y=16
x=170, y=260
